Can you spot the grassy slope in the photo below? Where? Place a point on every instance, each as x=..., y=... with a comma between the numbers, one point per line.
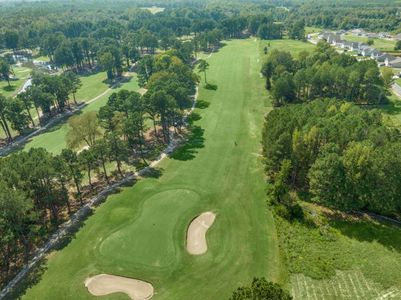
x=54, y=139
x=141, y=231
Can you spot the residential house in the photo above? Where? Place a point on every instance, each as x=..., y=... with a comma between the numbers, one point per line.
x=395, y=63
x=382, y=58
x=366, y=51
x=375, y=54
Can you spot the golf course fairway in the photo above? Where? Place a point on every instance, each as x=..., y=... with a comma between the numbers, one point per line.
x=140, y=232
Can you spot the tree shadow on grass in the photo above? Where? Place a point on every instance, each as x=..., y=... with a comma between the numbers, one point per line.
x=202, y=104
x=152, y=172
x=30, y=280
x=193, y=117
x=211, y=86
x=189, y=149
x=8, y=88
x=118, y=82
x=385, y=233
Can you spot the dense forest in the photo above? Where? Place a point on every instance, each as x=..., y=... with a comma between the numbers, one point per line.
x=323, y=73
x=343, y=156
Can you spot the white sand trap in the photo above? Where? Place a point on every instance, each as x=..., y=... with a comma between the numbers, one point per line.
x=196, y=234
x=104, y=284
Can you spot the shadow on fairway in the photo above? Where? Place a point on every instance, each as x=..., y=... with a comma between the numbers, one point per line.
x=31, y=279
x=117, y=83
x=202, y=104
x=189, y=149
x=211, y=86
x=153, y=172
x=193, y=117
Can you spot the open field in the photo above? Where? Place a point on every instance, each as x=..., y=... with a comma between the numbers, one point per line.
x=54, y=139
x=381, y=44
x=140, y=232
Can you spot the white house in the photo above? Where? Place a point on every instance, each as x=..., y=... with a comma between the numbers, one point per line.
x=395, y=63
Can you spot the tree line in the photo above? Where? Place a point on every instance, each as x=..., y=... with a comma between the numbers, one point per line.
x=373, y=16
x=341, y=155
x=38, y=189
x=323, y=73
x=47, y=95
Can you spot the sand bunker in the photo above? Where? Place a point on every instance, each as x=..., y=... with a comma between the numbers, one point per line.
x=196, y=234
x=104, y=284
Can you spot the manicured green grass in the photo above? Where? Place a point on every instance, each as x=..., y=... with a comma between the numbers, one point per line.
x=22, y=74
x=54, y=139
x=286, y=45
x=381, y=44
x=140, y=232
x=92, y=85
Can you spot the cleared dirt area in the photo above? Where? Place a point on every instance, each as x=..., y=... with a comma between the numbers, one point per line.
x=105, y=284
x=196, y=234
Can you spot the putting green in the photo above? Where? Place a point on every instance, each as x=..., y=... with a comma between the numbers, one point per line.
x=151, y=231
x=140, y=232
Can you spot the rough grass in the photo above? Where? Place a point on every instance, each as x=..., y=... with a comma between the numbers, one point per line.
x=346, y=285
x=315, y=255
x=392, y=112
x=140, y=232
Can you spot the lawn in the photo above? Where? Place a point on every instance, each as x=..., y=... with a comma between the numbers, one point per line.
x=54, y=139
x=22, y=74
x=92, y=85
x=381, y=44
x=286, y=45
x=140, y=232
